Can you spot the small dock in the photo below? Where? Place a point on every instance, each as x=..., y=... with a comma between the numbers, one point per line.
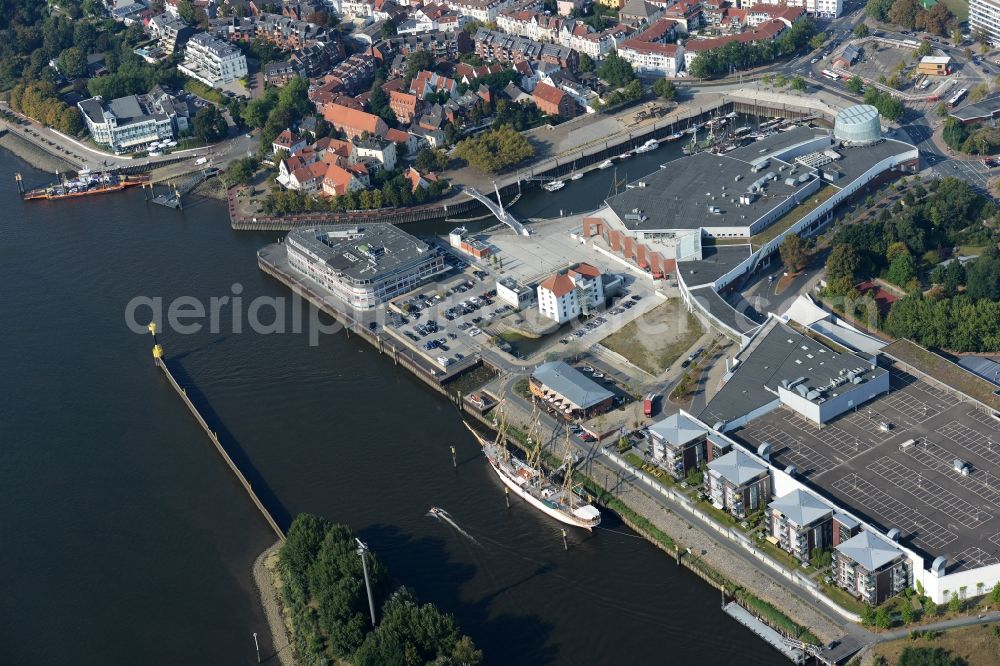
x=173, y=198
x=772, y=637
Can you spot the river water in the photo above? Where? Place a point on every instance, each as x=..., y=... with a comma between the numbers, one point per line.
x=127, y=540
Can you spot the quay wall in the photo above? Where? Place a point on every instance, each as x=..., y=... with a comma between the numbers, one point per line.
x=160, y=363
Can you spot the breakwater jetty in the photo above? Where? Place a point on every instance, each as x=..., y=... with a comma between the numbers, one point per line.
x=212, y=436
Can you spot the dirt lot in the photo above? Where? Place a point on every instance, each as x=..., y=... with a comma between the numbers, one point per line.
x=977, y=646
x=658, y=338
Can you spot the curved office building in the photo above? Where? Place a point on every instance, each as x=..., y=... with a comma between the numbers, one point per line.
x=858, y=124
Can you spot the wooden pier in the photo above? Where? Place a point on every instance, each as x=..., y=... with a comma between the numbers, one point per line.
x=212, y=436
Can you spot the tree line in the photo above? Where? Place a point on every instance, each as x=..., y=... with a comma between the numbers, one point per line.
x=325, y=592
x=905, y=245
x=747, y=55
x=495, y=150
x=910, y=14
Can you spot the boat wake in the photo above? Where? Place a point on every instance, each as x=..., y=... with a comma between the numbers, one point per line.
x=445, y=517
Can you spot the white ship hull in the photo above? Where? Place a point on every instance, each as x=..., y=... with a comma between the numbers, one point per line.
x=561, y=516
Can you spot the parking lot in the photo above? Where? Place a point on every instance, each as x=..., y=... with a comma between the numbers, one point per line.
x=443, y=320
x=893, y=461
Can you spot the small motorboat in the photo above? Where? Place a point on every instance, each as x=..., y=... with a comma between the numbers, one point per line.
x=553, y=185
x=606, y=164
x=576, y=175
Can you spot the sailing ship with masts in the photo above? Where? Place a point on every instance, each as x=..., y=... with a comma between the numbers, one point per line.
x=555, y=498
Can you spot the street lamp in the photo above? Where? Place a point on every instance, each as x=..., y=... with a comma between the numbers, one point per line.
x=362, y=549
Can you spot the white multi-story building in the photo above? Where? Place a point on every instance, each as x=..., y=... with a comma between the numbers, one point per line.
x=984, y=16
x=650, y=58
x=565, y=296
x=481, y=10
x=212, y=61
x=130, y=123
x=362, y=266
x=821, y=8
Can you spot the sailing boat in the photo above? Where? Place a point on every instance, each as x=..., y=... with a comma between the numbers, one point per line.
x=576, y=175
x=531, y=483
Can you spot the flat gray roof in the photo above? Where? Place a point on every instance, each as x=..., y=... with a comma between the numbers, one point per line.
x=776, y=143
x=718, y=307
x=361, y=251
x=855, y=160
x=981, y=110
x=716, y=261
x=571, y=384
x=679, y=196
x=777, y=354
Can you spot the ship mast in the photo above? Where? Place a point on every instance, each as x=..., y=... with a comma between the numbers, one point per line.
x=534, y=438
x=500, y=443
x=568, y=475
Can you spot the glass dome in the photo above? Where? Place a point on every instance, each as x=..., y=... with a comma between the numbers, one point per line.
x=858, y=124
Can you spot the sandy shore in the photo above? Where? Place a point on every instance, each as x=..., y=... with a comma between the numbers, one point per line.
x=37, y=157
x=264, y=576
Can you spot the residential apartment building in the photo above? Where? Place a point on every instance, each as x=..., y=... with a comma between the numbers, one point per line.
x=565, y=296
x=738, y=484
x=362, y=265
x=871, y=567
x=404, y=105
x=481, y=10
x=820, y=8
x=680, y=445
x=375, y=152
x=651, y=53
x=801, y=522
x=442, y=45
x=984, y=16
x=288, y=141
x=212, y=61
x=764, y=32
x=514, y=294
x=553, y=101
x=353, y=75
x=352, y=122
x=172, y=32
x=492, y=45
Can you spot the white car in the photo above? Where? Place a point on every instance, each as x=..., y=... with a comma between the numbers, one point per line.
x=814, y=61
x=474, y=331
x=444, y=360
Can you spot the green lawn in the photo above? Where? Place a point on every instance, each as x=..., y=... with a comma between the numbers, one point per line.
x=842, y=598
x=201, y=90
x=960, y=8
x=794, y=215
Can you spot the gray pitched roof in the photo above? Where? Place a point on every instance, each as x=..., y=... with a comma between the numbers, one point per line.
x=802, y=508
x=737, y=467
x=571, y=384
x=869, y=550
x=677, y=429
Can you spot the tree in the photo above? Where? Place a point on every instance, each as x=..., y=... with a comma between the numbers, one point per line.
x=924, y=49
x=495, y=150
x=878, y=9
x=937, y=20
x=906, y=612
x=586, y=63
x=73, y=62
x=615, y=70
x=817, y=40
x=930, y=608
x=429, y=159
x=799, y=84
x=861, y=30
x=417, y=61
x=388, y=30
x=979, y=92
x=780, y=81
x=867, y=615
x=904, y=13
x=902, y=270
x=187, y=12
x=995, y=594
x=843, y=262
x=240, y=172
x=665, y=89
x=883, y=620
x=855, y=84
x=209, y=125
x=954, y=604
x=792, y=251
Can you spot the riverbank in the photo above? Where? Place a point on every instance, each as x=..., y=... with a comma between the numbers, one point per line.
x=268, y=581
x=34, y=155
x=706, y=556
